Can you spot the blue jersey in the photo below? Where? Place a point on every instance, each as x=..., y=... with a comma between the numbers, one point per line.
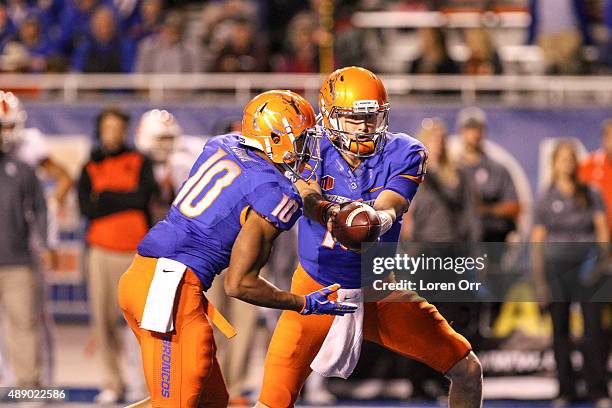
x=205, y=218
x=400, y=167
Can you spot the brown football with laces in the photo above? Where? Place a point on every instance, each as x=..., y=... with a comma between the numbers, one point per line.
x=356, y=223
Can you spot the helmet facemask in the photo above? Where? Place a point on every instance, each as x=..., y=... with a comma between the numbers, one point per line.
x=360, y=131
x=306, y=155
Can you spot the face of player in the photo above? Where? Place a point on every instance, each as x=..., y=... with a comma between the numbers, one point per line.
x=472, y=137
x=112, y=133
x=564, y=164
x=359, y=128
x=365, y=123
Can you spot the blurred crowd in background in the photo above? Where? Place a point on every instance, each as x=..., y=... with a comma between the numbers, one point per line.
x=157, y=36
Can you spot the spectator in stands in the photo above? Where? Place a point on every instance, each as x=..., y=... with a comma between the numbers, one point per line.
x=434, y=58
x=560, y=28
x=51, y=12
x=351, y=44
x=242, y=51
x=168, y=51
x=38, y=46
x=499, y=207
x=128, y=12
x=14, y=58
x=572, y=216
x=596, y=170
x=75, y=24
x=301, y=50
x=114, y=191
x=18, y=10
x=482, y=57
x=7, y=28
x=148, y=22
x=105, y=50
x=217, y=20
x=23, y=209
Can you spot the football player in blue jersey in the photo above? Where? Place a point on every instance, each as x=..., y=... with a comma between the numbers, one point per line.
x=239, y=196
x=361, y=161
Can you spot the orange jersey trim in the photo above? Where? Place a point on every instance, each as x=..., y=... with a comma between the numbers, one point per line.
x=416, y=179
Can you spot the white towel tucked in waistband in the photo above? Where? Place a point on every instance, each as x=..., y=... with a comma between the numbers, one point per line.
x=340, y=351
x=157, y=315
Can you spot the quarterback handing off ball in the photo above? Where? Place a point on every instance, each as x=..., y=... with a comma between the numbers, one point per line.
x=355, y=224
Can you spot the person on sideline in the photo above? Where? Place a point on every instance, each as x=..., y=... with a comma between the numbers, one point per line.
x=114, y=190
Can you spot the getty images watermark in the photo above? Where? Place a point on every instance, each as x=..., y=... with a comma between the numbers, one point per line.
x=489, y=271
x=407, y=265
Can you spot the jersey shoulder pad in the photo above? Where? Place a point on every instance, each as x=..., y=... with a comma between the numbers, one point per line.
x=272, y=196
x=404, y=152
x=401, y=145
x=230, y=143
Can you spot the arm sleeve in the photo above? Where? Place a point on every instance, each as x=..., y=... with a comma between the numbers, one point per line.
x=278, y=205
x=405, y=179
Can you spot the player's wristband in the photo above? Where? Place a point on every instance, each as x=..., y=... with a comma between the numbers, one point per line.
x=385, y=221
x=322, y=211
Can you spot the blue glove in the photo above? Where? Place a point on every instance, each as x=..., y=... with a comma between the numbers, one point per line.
x=318, y=303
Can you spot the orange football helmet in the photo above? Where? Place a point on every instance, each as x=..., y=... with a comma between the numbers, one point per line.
x=355, y=111
x=280, y=124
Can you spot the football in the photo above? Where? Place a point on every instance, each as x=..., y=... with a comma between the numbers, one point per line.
x=355, y=224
